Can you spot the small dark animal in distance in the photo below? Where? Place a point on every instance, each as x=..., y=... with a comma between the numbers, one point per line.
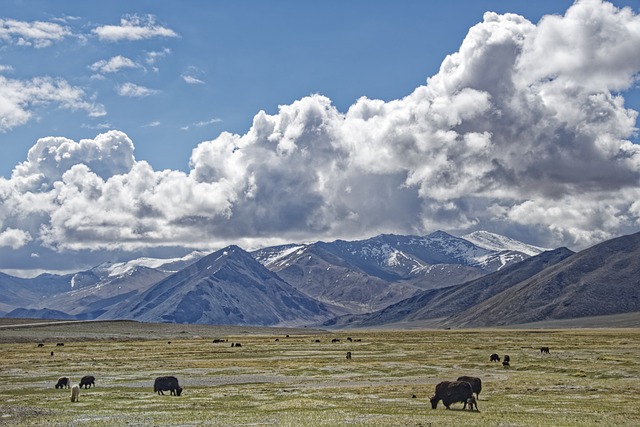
x=544, y=350
x=494, y=358
x=348, y=355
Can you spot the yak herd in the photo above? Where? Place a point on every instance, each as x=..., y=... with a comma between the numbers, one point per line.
x=465, y=389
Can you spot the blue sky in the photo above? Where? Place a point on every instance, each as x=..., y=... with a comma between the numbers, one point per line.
x=249, y=56
x=176, y=81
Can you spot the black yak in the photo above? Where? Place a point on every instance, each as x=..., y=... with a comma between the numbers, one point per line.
x=494, y=358
x=63, y=382
x=450, y=392
x=87, y=381
x=476, y=384
x=169, y=383
x=544, y=350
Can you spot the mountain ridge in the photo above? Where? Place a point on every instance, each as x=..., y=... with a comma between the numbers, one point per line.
x=437, y=279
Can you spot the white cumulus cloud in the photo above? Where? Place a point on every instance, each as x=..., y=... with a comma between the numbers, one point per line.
x=498, y=139
x=14, y=238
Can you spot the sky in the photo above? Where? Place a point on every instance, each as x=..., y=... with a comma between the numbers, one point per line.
x=155, y=128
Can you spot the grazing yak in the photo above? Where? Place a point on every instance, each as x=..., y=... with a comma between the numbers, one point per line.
x=472, y=403
x=75, y=393
x=63, y=382
x=476, y=384
x=348, y=355
x=544, y=350
x=169, y=383
x=87, y=381
x=494, y=358
x=451, y=392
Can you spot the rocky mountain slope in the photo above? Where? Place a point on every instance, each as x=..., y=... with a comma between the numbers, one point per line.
x=601, y=280
x=480, y=280
x=444, y=303
x=367, y=275
x=86, y=294
x=227, y=287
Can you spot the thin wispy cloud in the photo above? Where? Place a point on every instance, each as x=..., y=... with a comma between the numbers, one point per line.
x=192, y=80
x=202, y=123
x=152, y=57
x=98, y=126
x=193, y=76
x=66, y=19
x=135, y=91
x=133, y=27
x=38, y=34
x=17, y=98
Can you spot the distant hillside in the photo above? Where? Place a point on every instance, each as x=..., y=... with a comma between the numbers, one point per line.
x=445, y=302
x=45, y=313
x=95, y=293
x=601, y=280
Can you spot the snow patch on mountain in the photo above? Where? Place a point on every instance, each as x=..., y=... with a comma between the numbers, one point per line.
x=496, y=242
x=278, y=256
x=121, y=268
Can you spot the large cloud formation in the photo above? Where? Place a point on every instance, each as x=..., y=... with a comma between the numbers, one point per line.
x=523, y=131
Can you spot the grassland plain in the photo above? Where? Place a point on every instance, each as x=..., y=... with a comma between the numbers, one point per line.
x=281, y=377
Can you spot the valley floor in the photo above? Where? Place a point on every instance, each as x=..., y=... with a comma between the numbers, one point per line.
x=300, y=377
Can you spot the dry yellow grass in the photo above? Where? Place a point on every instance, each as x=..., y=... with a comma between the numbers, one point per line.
x=590, y=377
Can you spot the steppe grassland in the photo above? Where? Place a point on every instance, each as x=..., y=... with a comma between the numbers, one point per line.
x=590, y=378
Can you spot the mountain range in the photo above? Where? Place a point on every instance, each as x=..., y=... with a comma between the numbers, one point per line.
x=481, y=279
